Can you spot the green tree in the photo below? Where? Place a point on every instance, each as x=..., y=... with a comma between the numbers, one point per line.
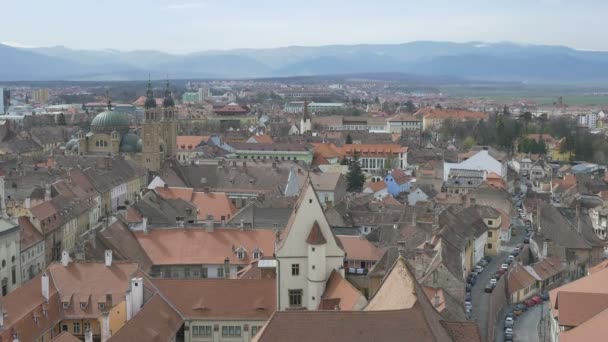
x=61, y=120
x=349, y=139
x=355, y=177
x=505, y=111
x=410, y=107
x=468, y=143
x=438, y=106
x=526, y=117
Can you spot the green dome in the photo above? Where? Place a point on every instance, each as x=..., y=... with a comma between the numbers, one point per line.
x=109, y=121
x=130, y=143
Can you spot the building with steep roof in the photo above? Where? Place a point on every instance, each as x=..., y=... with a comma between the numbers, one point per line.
x=307, y=253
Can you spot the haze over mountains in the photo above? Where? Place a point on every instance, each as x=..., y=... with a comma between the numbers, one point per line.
x=471, y=61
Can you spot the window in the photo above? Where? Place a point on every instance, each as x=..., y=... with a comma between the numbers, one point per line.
x=489, y=246
x=83, y=305
x=66, y=305
x=295, y=269
x=64, y=327
x=86, y=325
x=220, y=272
x=102, y=306
x=14, y=274
x=254, y=330
x=295, y=298
x=231, y=331
x=257, y=254
x=490, y=222
x=202, y=331
x=76, y=327
x=240, y=254
x=489, y=234
x=310, y=200
x=204, y=272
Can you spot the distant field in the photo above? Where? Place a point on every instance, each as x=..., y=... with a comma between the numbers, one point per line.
x=540, y=96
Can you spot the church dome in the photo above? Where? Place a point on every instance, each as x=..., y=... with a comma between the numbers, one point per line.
x=109, y=121
x=131, y=143
x=72, y=145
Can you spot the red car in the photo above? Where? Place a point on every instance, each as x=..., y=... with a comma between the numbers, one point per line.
x=537, y=299
x=530, y=303
x=501, y=271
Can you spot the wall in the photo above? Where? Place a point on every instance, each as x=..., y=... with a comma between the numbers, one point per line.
x=10, y=258
x=216, y=329
x=118, y=317
x=33, y=258
x=497, y=300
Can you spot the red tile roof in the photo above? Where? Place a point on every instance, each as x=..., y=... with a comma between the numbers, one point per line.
x=375, y=150
x=340, y=293
x=217, y=204
x=189, y=142
x=315, y=237
x=232, y=299
x=29, y=234
x=198, y=246
x=458, y=114
x=263, y=139
x=359, y=248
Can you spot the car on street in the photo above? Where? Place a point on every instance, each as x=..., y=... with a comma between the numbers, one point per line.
x=527, y=240
x=472, y=278
x=478, y=269
x=501, y=271
x=511, y=258
x=487, y=258
x=537, y=299
x=509, y=261
x=508, y=332
x=489, y=288
x=468, y=286
x=530, y=303
x=509, y=322
x=504, y=266
x=519, y=309
x=482, y=263
x=544, y=296
x=467, y=296
x=493, y=282
x=497, y=276
x=510, y=314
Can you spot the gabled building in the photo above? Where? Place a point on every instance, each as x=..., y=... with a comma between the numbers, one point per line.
x=307, y=253
x=398, y=182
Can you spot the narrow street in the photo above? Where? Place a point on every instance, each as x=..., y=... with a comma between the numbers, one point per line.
x=526, y=326
x=480, y=299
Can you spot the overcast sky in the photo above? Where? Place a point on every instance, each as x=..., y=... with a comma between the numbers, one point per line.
x=195, y=25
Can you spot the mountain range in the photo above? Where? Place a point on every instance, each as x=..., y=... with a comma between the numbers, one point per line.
x=469, y=61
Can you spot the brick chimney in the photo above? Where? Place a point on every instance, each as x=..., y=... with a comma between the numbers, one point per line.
x=108, y=257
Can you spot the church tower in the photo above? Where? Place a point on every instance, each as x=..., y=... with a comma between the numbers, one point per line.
x=306, y=121
x=168, y=129
x=151, y=151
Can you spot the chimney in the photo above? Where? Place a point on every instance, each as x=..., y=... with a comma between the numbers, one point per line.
x=401, y=247
x=47, y=192
x=234, y=164
x=1, y=316
x=45, y=286
x=226, y=268
x=244, y=164
x=414, y=219
x=578, y=219
x=545, y=248
x=108, y=257
x=144, y=223
x=88, y=336
x=210, y=223
x=65, y=258
x=137, y=295
x=436, y=299
x=242, y=224
x=105, y=326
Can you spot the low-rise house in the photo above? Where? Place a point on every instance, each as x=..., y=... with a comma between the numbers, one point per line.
x=493, y=220
x=579, y=309
x=378, y=189
x=461, y=181
x=421, y=193
x=273, y=151
x=398, y=182
x=433, y=118
x=361, y=255
x=330, y=187
x=33, y=257
x=403, y=122
x=480, y=161
x=208, y=204
x=375, y=158
x=196, y=253
x=10, y=256
x=220, y=309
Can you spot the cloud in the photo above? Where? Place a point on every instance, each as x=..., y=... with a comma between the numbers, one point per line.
x=185, y=5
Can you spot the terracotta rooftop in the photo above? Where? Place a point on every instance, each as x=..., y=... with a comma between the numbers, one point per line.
x=341, y=294
x=373, y=149
x=189, y=142
x=29, y=234
x=65, y=337
x=375, y=186
x=217, y=204
x=594, y=329
x=519, y=278
x=594, y=284
x=263, y=139
x=436, y=113
x=198, y=246
x=315, y=237
x=233, y=299
x=156, y=321
x=359, y=248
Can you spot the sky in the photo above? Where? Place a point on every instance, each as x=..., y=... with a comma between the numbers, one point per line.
x=182, y=26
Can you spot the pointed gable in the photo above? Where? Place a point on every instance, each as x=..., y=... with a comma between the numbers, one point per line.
x=397, y=290
x=316, y=236
x=307, y=221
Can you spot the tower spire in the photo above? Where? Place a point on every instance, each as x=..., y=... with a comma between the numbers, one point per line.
x=168, y=101
x=150, y=101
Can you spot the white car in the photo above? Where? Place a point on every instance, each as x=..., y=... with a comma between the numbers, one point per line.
x=509, y=322
x=504, y=266
x=478, y=269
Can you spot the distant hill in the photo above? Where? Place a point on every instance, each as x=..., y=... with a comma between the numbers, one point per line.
x=469, y=61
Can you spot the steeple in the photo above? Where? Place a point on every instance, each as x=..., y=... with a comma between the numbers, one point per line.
x=150, y=101
x=168, y=101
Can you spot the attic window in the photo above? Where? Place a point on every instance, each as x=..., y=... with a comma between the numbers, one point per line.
x=66, y=305
x=257, y=253
x=83, y=305
x=101, y=306
x=310, y=201
x=240, y=254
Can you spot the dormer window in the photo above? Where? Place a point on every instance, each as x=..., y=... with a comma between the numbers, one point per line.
x=240, y=255
x=83, y=305
x=102, y=306
x=66, y=305
x=257, y=253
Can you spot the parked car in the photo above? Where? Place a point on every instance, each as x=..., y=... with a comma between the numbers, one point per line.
x=509, y=261
x=489, y=288
x=467, y=296
x=482, y=263
x=511, y=258
x=510, y=314
x=527, y=240
x=493, y=282
x=537, y=299
x=487, y=258
x=530, y=303
x=509, y=322
x=544, y=296
x=497, y=276
x=508, y=332
x=504, y=266
x=501, y=271
x=472, y=278
x=478, y=269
